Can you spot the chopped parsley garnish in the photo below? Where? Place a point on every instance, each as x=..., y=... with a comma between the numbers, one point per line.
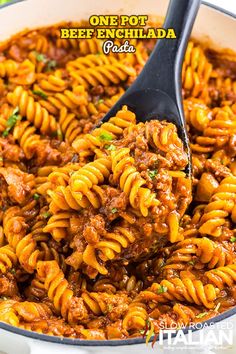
x=59, y=134
x=40, y=94
x=191, y=263
x=114, y=210
x=162, y=289
x=110, y=147
x=14, y=117
x=5, y=133
x=201, y=315
x=232, y=239
x=13, y=271
x=51, y=64
x=152, y=174
x=36, y=196
x=46, y=215
x=105, y=136
x=40, y=57
x=100, y=101
x=109, y=307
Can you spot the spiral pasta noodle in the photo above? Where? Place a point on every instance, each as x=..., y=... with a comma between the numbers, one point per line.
x=105, y=74
x=69, y=125
x=131, y=182
x=217, y=132
x=99, y=107
x=56, y=285
x=109, y=247
x=25, y=74
x=91, y=174
x=89, y=61
x=103, y=234
x=222, y=276
x=8, y=258
x=90, y=47
x=136, y=316
x=57, y=225
x=33, y=111
x=185, y=314
x=220, y=206
x=192, y=291
x=58, y=290
x=7, y=313
x=85, y=46
x=194, y=250
x=70, y=99
x=24, y=133
x=196, y=70
x=51, y=83
x=114, y=127
x=8, y=68
x=197, y=113
x=62, y=198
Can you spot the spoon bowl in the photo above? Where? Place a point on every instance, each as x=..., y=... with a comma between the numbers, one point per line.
x=160, y=106
x=157, y=93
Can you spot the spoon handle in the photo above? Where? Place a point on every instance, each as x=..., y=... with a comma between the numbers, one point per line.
x=163, y=69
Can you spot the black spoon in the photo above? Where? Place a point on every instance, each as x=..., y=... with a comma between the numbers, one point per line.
x=156, y=93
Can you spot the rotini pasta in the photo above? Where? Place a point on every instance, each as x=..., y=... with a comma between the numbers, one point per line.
x=96, y=237
x=32, y=110
x=105, y=74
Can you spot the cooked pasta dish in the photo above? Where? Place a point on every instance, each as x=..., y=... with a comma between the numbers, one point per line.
x=103, y=234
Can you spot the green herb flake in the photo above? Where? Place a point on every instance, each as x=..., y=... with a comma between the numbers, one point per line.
x=201, y=315
x=11, y=122
x=13, y=271
x=46, y=215
x=105, y=136
x=100, y=101
x=40, y=94
x=59, y=134
x=114, y=210
x=40, y=57
x=162, y=289
x=36, y=196
x=152, y=174
x=51, y=65
x=109, y=307
x=110, y=147
x=191, y=263
x=232, y=239
x=5, y=133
